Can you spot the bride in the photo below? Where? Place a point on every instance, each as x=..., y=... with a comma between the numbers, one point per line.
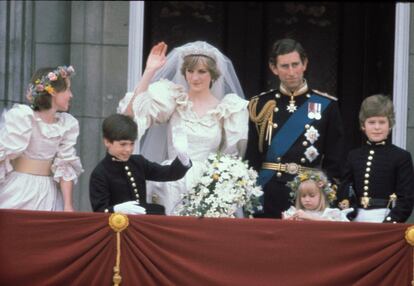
x=194, y=93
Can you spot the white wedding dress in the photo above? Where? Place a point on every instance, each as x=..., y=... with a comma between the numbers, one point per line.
x=222, y=129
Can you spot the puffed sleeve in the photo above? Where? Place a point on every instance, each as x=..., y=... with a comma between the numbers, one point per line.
x=235, y=116
x=154, y=106
x=66, y=164
x=15, y=134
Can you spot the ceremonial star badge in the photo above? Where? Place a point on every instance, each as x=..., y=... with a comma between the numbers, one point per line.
x=291, y=107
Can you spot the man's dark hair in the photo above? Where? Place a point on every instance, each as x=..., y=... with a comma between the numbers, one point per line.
x=118, y=127
x=286, y=46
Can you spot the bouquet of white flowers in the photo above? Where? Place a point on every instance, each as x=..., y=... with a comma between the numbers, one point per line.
x=226, y=185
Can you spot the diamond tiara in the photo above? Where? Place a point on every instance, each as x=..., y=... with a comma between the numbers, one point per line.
x=199, y=49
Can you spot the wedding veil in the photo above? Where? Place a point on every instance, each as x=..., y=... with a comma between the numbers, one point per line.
x=154, y=143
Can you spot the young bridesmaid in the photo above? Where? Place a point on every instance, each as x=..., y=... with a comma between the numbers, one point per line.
x=313, y=194
x=38, y=162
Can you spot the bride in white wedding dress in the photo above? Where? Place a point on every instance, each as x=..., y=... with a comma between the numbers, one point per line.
x=194, y=92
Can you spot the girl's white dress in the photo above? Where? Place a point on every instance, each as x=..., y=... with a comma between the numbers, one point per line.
x=24, y=133
x=327, y=214
x=222, y=129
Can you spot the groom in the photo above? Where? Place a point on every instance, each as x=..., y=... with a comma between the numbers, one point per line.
x=292, y=129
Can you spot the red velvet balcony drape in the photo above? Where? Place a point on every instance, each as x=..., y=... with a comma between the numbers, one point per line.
x=56, y=248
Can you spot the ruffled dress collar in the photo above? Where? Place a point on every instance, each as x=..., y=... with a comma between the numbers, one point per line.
x=230, y=104
x=51, y=130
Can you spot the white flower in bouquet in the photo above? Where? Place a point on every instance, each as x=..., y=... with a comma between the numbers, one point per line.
x=226, y=185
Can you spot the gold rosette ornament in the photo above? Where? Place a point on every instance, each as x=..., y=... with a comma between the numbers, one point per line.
x=409, y=235
x=118, y=222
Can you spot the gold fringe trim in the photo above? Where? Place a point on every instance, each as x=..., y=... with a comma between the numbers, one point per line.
x=118, y=222
x=262, y=120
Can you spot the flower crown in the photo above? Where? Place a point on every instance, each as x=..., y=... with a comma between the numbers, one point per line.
x=199, y=48
x=44, y=83
x=319, y=178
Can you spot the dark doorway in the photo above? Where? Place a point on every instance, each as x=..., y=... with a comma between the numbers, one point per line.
x=350, y=45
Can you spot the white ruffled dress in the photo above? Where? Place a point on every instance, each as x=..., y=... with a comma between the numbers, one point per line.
x=222, y=129
x=24, y=133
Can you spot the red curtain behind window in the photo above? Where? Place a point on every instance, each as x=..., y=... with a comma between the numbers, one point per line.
x=57, y=248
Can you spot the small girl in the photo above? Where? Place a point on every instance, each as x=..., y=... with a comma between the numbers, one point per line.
x=312, y=194
x=378, y=177
x=37, y=146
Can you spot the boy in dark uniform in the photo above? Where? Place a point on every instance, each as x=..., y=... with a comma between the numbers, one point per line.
x=379, y=176
x=292, y=129
x=117, y=184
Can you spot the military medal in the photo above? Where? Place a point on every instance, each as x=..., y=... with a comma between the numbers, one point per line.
x=314, y=110
x=292, y=106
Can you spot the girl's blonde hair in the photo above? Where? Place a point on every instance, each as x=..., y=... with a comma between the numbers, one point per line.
x=305, y=187
x=319, y=180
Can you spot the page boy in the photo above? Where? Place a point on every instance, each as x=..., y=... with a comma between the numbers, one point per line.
x=117, y=184
x=378, y=176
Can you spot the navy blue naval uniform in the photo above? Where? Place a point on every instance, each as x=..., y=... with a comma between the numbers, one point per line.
x=376, y=171
x=113, y=182
x=269, y=112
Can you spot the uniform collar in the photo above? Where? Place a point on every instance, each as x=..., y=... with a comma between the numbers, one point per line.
x=299, y=91
x=109, y=158
x=381, y=143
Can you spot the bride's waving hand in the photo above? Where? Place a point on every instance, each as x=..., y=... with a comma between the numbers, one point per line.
x=156, y=60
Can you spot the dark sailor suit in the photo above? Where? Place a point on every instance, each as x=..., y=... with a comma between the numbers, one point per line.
x=379, y=175
x=289, y=132
x=113, y=182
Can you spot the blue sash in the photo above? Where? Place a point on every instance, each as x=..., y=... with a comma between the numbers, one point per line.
x=288, y=134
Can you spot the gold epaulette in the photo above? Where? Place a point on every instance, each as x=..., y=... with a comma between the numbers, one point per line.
x=325, y=94
x=263, y=120
x=267, y=109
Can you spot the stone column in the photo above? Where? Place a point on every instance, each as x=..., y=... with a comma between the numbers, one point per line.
x=15, y=50
x=99, y=52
